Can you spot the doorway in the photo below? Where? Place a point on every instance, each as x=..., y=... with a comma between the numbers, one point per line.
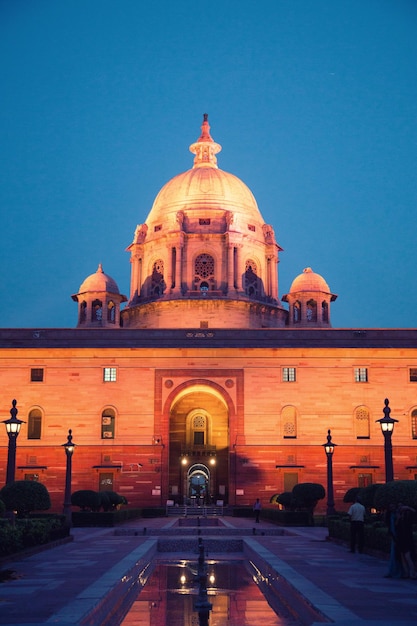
x=198, y=481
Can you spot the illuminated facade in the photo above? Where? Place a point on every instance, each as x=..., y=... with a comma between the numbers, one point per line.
x=205, y=386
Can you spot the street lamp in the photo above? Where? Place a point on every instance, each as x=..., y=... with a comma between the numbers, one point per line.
x=387, y=426
x=69, y=449
x=13, y=429
x=329, y=447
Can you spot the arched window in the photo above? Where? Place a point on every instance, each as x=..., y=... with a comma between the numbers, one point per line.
x=362, y=422
x=83, y=312
x=111, y=312
x=311, y=311
x=108, y=419
x=34, y=424
x=204, y=272
x=158, y=283
x=251, y=280
x=414, y=423
x=289, y=422
x=325, y=311
x=297, y=312
x=97, y=311
x=199, y=427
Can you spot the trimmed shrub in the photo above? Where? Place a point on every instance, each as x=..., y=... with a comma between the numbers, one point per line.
x=306, y=495
x=25, y=496
x=396, y=491
x=285, y=499
x=367, y=496
x=86, y=499
x=351, y=494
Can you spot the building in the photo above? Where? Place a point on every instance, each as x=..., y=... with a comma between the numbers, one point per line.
x=207, y=386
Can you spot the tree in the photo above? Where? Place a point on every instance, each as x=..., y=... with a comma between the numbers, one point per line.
x=25, y=496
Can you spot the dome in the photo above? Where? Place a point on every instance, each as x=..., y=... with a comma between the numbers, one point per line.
x=309, y=281
x=99, y=282
x=203, y=189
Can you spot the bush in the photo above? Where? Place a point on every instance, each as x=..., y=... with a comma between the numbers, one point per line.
x=396, y=491
x=86, y=499
x=367, y=496
x=351, y=495
x=306, y=495
x=285, y=499
x=25, y=496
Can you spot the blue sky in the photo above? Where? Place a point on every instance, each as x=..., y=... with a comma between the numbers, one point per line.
x=313, y=101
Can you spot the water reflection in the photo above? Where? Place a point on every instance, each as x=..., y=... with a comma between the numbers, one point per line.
x=173, y=595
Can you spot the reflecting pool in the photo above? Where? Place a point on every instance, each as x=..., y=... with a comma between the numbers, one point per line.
x=177, y=594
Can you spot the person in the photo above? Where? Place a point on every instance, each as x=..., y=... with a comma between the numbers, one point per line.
x=257, y=509
x=394, y=565
x=404, y=529
x=357, y=519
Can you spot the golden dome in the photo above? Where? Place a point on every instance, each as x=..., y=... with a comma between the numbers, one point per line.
x=99, y=282
x=309, y=281
x=204, y=189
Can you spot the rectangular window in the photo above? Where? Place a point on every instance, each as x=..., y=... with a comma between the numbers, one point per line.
x=361, y=374
x=107, y=427
x=198, y=438
x=414, y=424
x=109, y=374
x=204, y=221
x=34, y=425
x=290, y=480
x=364, y=480
x=36, y=375
x=251, y=227
x=413, y=374
x=288, y=374
x=105, y=482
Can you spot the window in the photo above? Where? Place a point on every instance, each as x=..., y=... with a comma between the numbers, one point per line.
x=413, y=374
x=105, y=481
x=297, y=312
x=107, y=424
x=111, y=312
x=362, y=422
x=311, y=311
x=198, y=438
x=361, y=374
x=109, y=374
x=158, y=283
x=157, y=228
x=83, y=312
x=414, y=423
x=34, y=424
x=251, y=279
x=289, y=422
x=204, y=272
x=204, y=221
x=324, y=311
x=97, y=311
x=364, y=480
x=36, y=375
x=288, y=374
x=251, y=227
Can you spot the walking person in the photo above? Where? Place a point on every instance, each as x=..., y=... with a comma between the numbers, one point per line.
x=257, y=509
x=357, y=519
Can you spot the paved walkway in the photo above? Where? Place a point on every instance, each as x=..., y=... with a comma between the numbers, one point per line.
x=50, y=587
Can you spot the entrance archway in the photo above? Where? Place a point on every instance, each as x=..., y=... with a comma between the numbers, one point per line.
x=198, y=484
x=199, y=445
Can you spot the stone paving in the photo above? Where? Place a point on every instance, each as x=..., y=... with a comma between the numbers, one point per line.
x=60, y=585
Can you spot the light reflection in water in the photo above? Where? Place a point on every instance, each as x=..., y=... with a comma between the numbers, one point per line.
x=172, y=593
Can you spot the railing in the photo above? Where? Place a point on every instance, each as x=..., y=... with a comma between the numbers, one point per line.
x=185, y=510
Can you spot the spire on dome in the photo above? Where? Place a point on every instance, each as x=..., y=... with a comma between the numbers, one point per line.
x=205, y=148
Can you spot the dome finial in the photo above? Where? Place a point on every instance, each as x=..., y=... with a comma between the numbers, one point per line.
x=205, y=147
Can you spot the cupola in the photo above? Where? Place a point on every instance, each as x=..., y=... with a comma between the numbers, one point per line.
x=99, y=301
x=309, y=301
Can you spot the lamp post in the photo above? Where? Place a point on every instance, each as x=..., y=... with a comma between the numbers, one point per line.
x=387, y=426
x=329, y=447
x=69, y=449
x=13, y=425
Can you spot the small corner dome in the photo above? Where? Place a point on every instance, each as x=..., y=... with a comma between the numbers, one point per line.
x=98, y=282
x=309, y=281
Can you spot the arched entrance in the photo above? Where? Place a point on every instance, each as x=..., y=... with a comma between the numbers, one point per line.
x=198, y=485
x=199, y=445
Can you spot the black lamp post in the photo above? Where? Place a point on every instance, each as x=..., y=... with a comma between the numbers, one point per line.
x=329, y=447
x=13, y=428
x=387, y=426
x=69, y=449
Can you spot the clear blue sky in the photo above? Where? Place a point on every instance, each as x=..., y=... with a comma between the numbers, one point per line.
x=313, y=101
